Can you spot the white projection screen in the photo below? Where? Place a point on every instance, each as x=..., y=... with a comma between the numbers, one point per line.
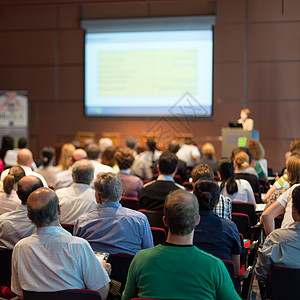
x=154, y=67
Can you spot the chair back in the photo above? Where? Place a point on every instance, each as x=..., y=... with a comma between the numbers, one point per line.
x=154, y=217
x=283, y=284
x=231, y=270
x=68, y=227
x=245, y=208
x=188, y=185
x=177, y=178
x=5, y=267
x=277, y=221
x=243, y=224
x=63, y=295
x=120, y=264
x=130, y=202
x=159, y=235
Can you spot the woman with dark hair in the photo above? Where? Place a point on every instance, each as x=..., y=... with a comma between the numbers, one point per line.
x=7, y=144
x=131, y=185
x=217, y=236
x=47, y=170
x=108, y=158
x=9, y=199
x=235, y=189
x=151, y=154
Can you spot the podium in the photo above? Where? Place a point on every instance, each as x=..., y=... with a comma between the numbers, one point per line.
x=232, y=137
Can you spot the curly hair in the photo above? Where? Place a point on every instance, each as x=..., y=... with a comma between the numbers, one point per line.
x=124, y=157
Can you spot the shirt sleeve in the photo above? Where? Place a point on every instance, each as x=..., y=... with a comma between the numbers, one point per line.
x=15, y=284
x=147, y=238
x=283, y=199
x=250, y=193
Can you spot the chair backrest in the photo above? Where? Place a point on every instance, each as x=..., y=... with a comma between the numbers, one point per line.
x=62, y=295
x=231, y=270
x=283, y=284
x=120, y=264
x=177, y=178
x=5, y=266
x=154, y=217
x=277, y=221
x=188, y=185
x=159, y=235
x=68, y=227
x=245, y=208
x=130, y=202
x=243, y=224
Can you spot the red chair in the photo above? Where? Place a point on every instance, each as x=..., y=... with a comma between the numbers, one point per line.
x=159, y=235
x=245, y=208
x=62, y=295
x=5, y=270
x=130, y=202
x=243, y=224
x=188, y=185
x=154, y=217
x=68, y=227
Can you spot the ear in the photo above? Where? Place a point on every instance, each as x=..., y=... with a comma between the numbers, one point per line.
x=158, y=168
x=165, y=221
x=98, y=197
x=198, y=220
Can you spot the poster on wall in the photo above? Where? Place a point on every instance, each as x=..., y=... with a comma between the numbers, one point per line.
x=13, y=114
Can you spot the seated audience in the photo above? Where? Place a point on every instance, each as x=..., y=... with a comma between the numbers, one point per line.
x=65, y=157
x=25, y=161
x=283, y=203
x=11, y=156
x=112, y=228
x=177, y=269
x=173, y=147
x=153, y=194
x=104, y=143
x=235, y=189
x=64, y=178
x=282, y=246
x=258, y=152
x=108, y=158
x=78, y=198
x=208, y=158
x=189, y=153
x=47, y=170
x=52, y=259
x=218, y=237
x=15, y=225
x=240, y=163
x=152, y=154
x=9, y=199
x=223, y=208
x=131, y=185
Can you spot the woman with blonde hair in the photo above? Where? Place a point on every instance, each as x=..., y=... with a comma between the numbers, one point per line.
x=9, y=199
x=258, y=152
x=66, y=153
x=208, y=158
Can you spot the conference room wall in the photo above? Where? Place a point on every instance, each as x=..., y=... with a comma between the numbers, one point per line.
x=43, y=52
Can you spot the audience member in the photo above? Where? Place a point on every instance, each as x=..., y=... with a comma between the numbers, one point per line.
x=112, y=228
x=208, y=158
x=9, y=199
x=104, y=143
x=25, y=161
x=131, y=185
x=218, y=236
x=11, y=156
x=283, y=203
x=64, y=178
x=258, y=152
x=108, y=158
x=154, y=193
x=235, y=189
x=247, y=123
x=78, y=198
x=7, y=144
x=223, y=208
x=152, y=154
x=93, y=154
x=282, y=246
x=131, y=143
x=177, y=269
x=189, y=153
x=65, y=160
x=47, y=169
x=52, y=259
x=15, y=225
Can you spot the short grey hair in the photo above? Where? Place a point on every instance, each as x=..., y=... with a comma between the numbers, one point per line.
x=109, y=186
x=83, y=171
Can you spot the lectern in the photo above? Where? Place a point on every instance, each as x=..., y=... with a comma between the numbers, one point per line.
x=232, y=137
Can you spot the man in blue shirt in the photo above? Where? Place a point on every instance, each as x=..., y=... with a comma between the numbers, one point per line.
x=112, y=228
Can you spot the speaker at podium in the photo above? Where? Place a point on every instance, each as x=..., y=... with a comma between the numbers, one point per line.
x=236, y=137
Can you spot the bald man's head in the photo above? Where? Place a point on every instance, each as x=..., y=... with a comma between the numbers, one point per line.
x=27, y=185
x=78, y=154
x=42, y=207
x=25, y=157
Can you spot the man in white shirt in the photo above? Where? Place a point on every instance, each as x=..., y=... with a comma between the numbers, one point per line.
x=79, y=198
x=15, y=225
x=52, y=259
x=189, y=153
x=25, y=161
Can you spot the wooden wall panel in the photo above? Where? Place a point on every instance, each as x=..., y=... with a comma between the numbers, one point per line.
x=230, y=11
x=69, y=16
x=69, y=79
x=271, y=10
x=274, y=41
x=274, y=80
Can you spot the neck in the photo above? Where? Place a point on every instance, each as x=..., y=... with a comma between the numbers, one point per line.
x=179, y=239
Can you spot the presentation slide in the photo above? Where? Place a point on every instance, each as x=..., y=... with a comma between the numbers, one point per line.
x=148, y=73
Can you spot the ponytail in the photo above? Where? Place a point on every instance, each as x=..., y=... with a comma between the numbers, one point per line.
x=231, y=185
x=8, y=183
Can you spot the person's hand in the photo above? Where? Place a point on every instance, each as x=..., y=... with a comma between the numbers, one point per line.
x=106, y=266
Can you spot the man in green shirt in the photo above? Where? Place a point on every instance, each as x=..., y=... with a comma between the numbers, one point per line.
x=177, y=269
